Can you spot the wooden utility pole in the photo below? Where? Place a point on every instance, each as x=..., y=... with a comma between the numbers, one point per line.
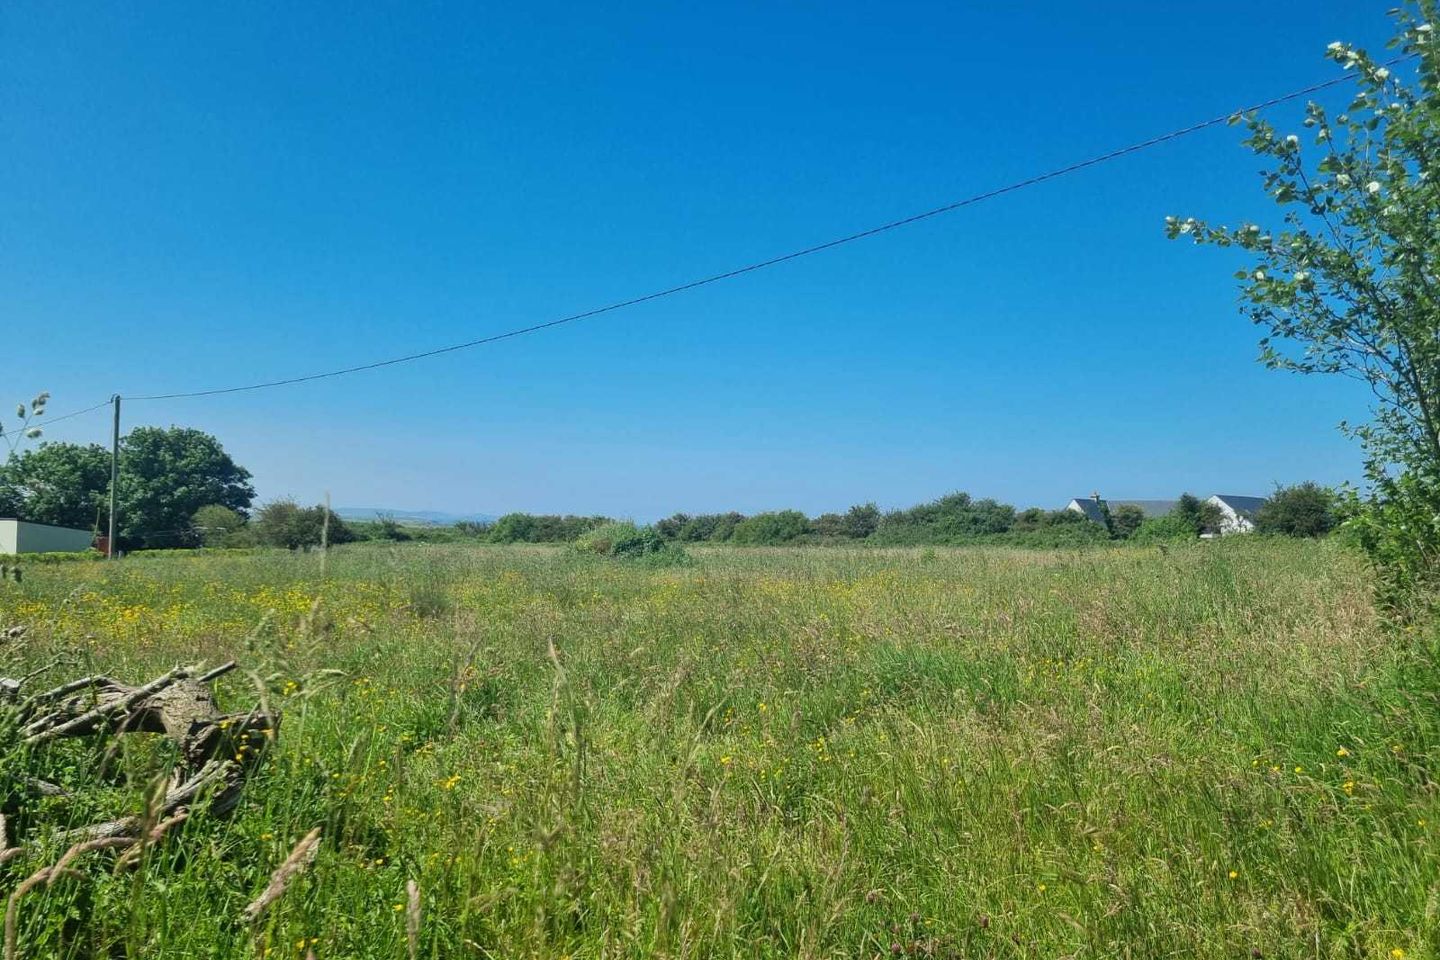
x=114, y=478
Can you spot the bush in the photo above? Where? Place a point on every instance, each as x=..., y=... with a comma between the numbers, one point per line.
x=15, y=559
x=541, y=528
x=216, y=525
x=1304, y=510
x=956, y=518
x=283, y=523
x=769, y=529
x=1200, y=516
x=1399, y=527
x=1066, y=534
x=1164, y=529
x=624, y=540
x=712, y=527
x=471, y=528
x=1125, y=520
x=855, y=524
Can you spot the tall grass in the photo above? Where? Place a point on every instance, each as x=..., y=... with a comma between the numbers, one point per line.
x=973, y=752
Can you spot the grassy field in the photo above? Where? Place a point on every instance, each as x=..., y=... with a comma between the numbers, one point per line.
x=1211, y=751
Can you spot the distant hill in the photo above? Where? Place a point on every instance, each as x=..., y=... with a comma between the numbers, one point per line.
x=416, y=518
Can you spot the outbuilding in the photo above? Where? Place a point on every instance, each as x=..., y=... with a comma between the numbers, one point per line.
x=22, y=536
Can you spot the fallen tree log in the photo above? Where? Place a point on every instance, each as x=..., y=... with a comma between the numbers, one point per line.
x=216, y=751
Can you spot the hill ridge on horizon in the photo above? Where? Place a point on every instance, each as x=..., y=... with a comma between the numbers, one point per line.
x=433, y=517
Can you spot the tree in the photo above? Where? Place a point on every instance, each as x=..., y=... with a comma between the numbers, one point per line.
x=1351, y=284
x=829, y=526
x=715, y=527
x=168, y=474
x=165, y=477
x=62, y=484
x=1198, y=515
x=954, y=518
x=284, y=523
x=1304, y=510
x=670, y=527
x=1125, y=520
x=860, y=521
x=771, y=528
x=218, y=526
x=541, y=528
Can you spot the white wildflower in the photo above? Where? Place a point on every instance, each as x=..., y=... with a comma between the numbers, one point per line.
x=1259, y=274
x=1424, y=28
x=1373, y=187
x=1336, y=47
x=1343, y=179
x=1382, y=73
x=1292, y=141
x=1301, y=276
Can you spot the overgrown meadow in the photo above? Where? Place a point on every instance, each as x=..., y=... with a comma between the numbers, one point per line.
x=1210, y=750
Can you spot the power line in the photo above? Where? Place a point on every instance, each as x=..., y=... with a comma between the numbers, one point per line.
x=49, y=421
x=794, y=255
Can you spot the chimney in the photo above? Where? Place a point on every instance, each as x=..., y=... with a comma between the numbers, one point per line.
x=1095, y=496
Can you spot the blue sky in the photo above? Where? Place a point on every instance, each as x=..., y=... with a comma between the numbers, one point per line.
x=193, y=198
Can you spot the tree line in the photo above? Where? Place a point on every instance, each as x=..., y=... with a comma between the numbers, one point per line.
x=179, y=488
x=1302, y=510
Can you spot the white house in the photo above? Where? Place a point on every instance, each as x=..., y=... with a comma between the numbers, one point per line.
x=1237, y=514
x=22, y=536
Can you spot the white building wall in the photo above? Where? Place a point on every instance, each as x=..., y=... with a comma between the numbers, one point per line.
x=19, y=536
x=1230, y=521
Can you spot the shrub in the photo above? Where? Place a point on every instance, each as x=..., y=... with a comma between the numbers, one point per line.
x=1200, y=516
x=768, y=529
x=625, y=540
x=1399, y=527
x=12, y=559
x=855, y=524
x=388, y=528
x=956, y=518
x=1065, y=534
x=541, y=528
x=1125, y=520
x=216, y=525
x=860, y=521
x=471, y=528
x=715, y=527
x=283, y=523
x=1164, y=529
x=1304, y=510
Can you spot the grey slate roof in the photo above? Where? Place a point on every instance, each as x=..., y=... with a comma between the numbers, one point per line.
x=1245, y=506
x=1151, y=508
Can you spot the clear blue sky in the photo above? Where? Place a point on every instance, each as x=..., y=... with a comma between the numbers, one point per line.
x=193, y=198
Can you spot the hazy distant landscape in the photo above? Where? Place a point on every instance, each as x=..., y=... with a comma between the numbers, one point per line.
x=435, y=518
